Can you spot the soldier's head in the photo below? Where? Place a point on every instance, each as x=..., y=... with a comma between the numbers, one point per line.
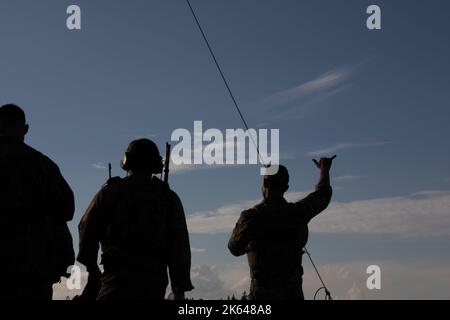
x=274, y=186
x=12, y=122
x=142, y=157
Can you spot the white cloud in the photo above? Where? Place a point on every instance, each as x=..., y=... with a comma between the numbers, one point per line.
x=207, y=283
x=297, y=111
x=198, y=250
x=424, y=213
x=185, y=168
x=399, y=280
x=354, y=293
x=327, y=81
x=219, y=220
x=181, y=168
x=99, y=166
x=343, y=146
x=420, y=214
x=346, y=281
x=293, y=102
x=219, y=282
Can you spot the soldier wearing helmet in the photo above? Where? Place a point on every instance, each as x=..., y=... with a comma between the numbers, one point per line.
x=139, y=223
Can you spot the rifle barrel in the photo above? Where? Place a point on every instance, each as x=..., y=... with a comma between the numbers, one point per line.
x=167, y=163
x=110, y=170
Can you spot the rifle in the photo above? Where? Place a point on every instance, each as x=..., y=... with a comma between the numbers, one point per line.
x=167, y=163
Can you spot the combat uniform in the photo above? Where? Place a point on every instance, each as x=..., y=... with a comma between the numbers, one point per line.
x=273, y=235
x=35, y=205
x=141, y=227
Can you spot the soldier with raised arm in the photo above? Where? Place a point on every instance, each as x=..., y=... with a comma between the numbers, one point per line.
x=140, y=225
x=274, y=233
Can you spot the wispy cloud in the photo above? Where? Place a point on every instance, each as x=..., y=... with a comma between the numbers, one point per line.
x=323, y=83
x=198, y=250
x=99, y=166
x=424, y=213
x=186, y=168
x=347, y=178
x=292, y=103
x=294, y=113
x=343, y=146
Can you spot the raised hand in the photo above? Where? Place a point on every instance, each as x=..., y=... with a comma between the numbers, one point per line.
x=324, y=163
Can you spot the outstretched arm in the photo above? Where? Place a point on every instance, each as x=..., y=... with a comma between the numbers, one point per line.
x=319, y=200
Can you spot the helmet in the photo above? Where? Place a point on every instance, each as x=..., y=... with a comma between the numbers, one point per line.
x=142, y=155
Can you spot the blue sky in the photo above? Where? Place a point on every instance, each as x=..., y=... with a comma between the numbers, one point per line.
x=379, y=99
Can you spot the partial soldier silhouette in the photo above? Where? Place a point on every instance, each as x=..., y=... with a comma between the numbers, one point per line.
x=35, y=205
x=274, y=233
x=141, y=228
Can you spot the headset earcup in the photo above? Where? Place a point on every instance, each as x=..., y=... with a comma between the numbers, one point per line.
x=125, y=163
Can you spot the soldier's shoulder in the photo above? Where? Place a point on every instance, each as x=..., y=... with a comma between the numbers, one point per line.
x=39, y=157
x=173, y=196
x=113, y=182
x=259, y=207
x=112, y=185
x=31, y=152
x=250, y=213
x=164, y=187
x=263, y=208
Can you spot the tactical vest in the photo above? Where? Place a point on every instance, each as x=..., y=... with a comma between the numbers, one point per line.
x=137, y=228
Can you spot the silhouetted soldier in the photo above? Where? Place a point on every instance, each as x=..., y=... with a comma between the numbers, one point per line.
x=35, y=204
x=274, y=233
x=141, y=226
